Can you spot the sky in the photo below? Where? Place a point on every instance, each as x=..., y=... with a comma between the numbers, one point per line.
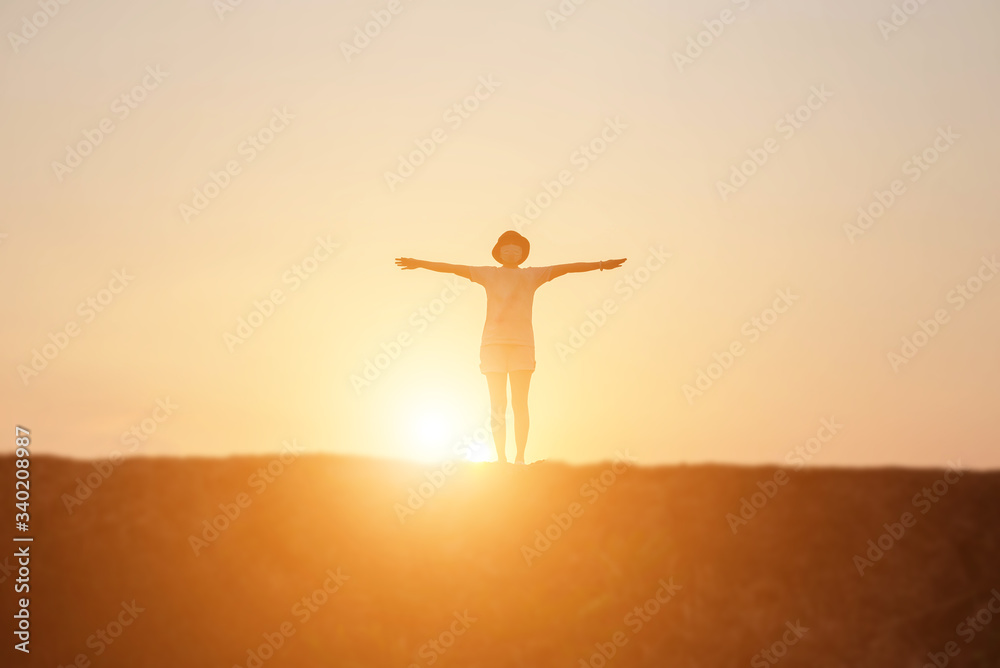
x=805, y=193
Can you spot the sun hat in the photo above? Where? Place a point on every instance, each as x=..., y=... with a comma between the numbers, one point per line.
x=511, y=237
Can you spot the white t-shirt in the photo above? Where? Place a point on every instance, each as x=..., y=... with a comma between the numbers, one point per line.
x=510, y=292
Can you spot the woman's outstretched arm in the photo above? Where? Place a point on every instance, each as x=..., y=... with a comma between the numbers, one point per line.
x=574, y=267
x=445, y=268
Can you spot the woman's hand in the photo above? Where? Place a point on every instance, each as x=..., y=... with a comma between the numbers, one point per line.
x=614, y=264
x=407, y=263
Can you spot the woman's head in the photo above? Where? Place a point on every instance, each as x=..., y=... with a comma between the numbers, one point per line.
x=510, y=254
x=511, y=249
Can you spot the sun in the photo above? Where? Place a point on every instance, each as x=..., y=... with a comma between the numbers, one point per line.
x=439, y=431
x=438, y=422
x=432, y=428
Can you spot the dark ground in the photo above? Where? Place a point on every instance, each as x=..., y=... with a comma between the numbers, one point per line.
x=406, y=583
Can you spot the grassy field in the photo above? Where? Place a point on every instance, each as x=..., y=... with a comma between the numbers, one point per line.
x=309, y=560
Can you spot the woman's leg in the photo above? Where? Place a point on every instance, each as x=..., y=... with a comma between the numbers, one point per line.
x=497, y=381
x=519, y=381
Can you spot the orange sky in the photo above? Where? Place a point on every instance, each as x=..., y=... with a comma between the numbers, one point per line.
x=168, y=166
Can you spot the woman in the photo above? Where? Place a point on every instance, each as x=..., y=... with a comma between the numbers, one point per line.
x=508, y=342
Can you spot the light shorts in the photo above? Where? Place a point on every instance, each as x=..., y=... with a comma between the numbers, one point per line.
x=501, y=357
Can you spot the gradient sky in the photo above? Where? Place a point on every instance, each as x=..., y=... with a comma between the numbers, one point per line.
x=655, y=185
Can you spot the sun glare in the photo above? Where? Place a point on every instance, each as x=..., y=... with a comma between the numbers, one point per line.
x=437, y=429
x=432, y=429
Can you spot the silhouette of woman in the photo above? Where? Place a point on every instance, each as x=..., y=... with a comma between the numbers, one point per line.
x=508, y=342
